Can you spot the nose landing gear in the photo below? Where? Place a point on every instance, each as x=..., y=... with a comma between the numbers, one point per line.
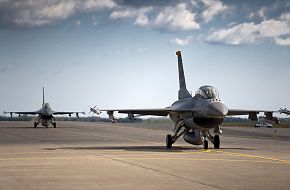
x=205, y=144
x=214, y=139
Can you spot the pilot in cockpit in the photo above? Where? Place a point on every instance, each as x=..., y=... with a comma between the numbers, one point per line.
x=207, y=92
x=46, y=105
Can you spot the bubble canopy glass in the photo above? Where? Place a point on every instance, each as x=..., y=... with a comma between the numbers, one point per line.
x=207, y=92
x=46, y=105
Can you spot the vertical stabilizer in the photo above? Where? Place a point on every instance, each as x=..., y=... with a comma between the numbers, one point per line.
x=43, y=102
x=183, y=92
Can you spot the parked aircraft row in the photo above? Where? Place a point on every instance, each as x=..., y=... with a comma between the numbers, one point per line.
x=197, y=118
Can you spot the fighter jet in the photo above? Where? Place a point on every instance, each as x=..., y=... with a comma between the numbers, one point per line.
x=285, y=111
x=195, y=117
x=94, y=110
x=45, y=114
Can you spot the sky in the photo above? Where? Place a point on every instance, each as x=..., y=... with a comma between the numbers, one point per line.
x=121, y=53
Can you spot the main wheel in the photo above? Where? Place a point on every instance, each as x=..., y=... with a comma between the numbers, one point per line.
x=54, y=124
x=205, y=144
x=35, y=124
x=169, y=141
x=216, y=140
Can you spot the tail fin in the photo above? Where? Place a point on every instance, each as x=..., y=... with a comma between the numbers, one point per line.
x=183, y=92
x=43, y=102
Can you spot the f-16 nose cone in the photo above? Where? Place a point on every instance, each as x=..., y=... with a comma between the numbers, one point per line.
x=217, y=109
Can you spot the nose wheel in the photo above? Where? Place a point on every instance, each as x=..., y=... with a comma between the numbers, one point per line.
x=169, y=141
x=216, y=141
x=205, y=144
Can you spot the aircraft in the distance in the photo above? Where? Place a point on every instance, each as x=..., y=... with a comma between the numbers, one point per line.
x=195, y=116
x=94, y=110
x=45, y=114
x=285, y=111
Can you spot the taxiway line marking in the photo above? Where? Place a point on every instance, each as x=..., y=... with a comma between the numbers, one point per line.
x=140, y=158
x=253, y=156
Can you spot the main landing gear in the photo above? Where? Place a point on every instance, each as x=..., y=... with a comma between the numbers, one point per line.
x=45, y=122
x=169, y=141
x=172, y=139
x=214, y=139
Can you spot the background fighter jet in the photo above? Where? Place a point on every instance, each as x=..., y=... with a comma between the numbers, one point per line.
x=285, y=111
x=94, y=110
x=194, y=117
x=45, y=114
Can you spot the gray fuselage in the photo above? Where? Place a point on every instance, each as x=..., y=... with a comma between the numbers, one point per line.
x=208, y=113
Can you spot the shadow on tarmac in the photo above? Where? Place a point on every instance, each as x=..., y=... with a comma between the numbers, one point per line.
x=143, y=148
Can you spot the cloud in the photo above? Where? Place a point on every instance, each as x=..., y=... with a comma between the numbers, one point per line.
x=166, y=18
x=181, y=42
x=126, y=51
x=175, y=19
x=282, y=41
x=179, y=16
x=269, y=10
x=140, y=15
x=276, y=30
x=28, y=13
x=78, y=23
x=212, y=8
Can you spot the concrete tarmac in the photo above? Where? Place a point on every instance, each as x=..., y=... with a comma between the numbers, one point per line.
x=80, y=155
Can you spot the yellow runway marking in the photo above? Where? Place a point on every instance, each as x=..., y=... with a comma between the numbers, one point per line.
x=253, y=156
x=23, y=153
x=142, y=158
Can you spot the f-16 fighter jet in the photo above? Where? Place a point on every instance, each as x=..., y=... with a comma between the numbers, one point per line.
x=195, y=117
x=45, y=114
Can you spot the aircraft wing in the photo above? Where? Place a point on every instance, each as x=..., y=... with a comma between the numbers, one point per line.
x=68, y=113
x=22, y=112
x=153, y=112
x=245, y=112
x=252, y=114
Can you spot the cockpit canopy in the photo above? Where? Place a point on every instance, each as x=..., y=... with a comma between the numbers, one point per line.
x=207, y=92
x=46, y=105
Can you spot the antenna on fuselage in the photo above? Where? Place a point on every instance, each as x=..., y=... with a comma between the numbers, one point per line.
x=183, y=92
x=43, y=97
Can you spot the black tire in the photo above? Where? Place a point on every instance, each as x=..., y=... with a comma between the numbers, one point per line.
x=216, y=140
x=205, y=144
x=169, y=141
x=35, y=125
x=46, y=126
x=54, y=125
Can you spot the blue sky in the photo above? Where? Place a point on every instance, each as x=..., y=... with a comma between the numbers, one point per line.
x=121, y=54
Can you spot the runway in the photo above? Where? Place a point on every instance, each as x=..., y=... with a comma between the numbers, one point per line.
x=80, y=155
